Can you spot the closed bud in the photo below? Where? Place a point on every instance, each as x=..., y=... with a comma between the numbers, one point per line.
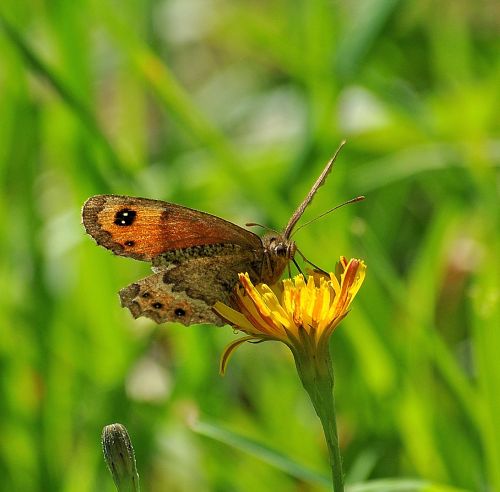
x=120, y=458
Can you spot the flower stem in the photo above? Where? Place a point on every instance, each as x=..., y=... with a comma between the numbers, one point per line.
x=316, y=373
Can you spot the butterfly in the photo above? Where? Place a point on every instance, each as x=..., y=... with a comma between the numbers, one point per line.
x=195, y=256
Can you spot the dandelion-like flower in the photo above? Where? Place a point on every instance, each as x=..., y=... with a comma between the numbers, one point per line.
x=302, y=314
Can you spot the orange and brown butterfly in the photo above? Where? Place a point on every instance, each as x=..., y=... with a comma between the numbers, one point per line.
x=196, y=256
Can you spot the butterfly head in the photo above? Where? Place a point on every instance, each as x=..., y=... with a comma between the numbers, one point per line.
x=278, y=251
x=279, y=246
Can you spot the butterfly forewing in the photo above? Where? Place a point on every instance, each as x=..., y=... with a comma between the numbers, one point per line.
x=144, y=229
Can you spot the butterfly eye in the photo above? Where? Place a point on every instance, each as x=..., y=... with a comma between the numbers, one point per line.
x=281, y=250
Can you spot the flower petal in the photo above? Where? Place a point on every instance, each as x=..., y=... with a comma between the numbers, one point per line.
x=233, y=317
x=229, y=350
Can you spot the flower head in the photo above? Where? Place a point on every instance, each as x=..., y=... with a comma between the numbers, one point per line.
x=302, y=314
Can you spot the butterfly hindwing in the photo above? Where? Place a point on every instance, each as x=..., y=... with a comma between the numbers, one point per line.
x=153, y=298
x=185, y=291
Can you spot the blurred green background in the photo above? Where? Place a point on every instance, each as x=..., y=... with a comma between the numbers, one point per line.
x=233, y=107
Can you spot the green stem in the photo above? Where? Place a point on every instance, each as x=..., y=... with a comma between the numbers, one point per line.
x=314, y=366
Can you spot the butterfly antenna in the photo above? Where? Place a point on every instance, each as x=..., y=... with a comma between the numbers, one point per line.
x=308, y=199
x=352, y=200
x=254, y=224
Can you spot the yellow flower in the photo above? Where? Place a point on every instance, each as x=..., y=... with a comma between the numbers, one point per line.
x=302, y=314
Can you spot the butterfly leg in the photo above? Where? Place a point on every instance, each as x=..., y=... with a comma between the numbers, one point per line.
x=310, y=263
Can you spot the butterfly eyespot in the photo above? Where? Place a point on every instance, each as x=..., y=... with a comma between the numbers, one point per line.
x=157, y=305
x=179, y=312
x=129, y=243
x=125, y=217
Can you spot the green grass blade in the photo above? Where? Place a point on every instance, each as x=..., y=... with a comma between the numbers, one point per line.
x=272, y=457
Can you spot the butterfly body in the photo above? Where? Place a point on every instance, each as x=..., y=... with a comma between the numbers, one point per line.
x=196, y=257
